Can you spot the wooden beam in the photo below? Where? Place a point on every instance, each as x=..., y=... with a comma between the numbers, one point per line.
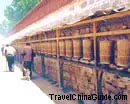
x=78, y=36
x=107, y=33
x=116, y=32
x=50, y=39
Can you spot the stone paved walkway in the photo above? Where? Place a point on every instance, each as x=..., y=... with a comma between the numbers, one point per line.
x=13, y=90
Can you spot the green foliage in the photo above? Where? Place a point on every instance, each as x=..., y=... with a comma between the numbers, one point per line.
x=18, y=9
x=5, y=26
x=15, y=12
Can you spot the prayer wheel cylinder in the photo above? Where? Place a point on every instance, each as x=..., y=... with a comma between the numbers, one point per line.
x=105, y=49
x=39, y=47
x=62, y=48
x=42, y=47
x=87, y=49
x=123, y=52
x=53, y=45
x=77, y=48
x=46, y=47
x=35, y=47
x=49, y=47
x=68, y=47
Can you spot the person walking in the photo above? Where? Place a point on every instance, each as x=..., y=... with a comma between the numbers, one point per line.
x=28, y=55
x=10, y=52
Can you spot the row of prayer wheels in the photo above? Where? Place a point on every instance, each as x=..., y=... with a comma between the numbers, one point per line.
x=76, y=48
x=107, y=53
x=120, y=56
x=83, y=49
x=45, y=47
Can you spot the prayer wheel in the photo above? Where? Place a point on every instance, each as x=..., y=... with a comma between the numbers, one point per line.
x=46, y=47
x=49, y=47
x=87, y=49
x=53, y=48
x=39, y=47
x=123, y=52
x=62, y=48
x=105, y=50
x=68, y=48
x=35, y=47
x=76, y=48
x=42, y=47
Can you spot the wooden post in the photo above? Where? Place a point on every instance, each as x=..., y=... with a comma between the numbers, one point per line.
x=95, y=39
x=95, y=55
x=58, y=60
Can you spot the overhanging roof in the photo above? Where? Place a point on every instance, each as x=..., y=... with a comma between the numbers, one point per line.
x=71, y=13
x=42, y=9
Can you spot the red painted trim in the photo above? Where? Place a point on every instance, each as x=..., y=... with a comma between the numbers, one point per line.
x=44, y=8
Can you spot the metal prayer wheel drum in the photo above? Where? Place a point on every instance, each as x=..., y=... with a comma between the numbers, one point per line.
x=123, y=52
x=88, y=49
x=68, y=48
x=49, y=47
x=62, y=48
x=76, y=48
x=54, y=49
x=35, y=47
x=46, y=47
x=39, y=47
x=105, y=50
x=42, y=47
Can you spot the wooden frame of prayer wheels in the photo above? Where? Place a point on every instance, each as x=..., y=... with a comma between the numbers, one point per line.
x=68, y=48
x=105, y=49
x=94, y=43
x=123, y=52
